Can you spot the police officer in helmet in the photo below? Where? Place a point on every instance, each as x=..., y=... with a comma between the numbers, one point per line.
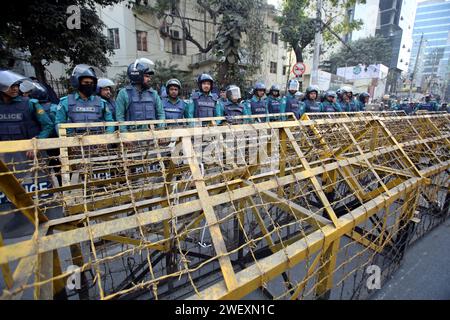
x=347, y=103
x=292, y=103
x=174, y=107
x=427, y=105
x=83, y=106
x=258, y=104
x=363, y=100
x=275, y=102
x=203, y=102
x=330, y=104
x=233, y=106
x=138, y=101
x=223, y=95
x=105, y=89
x=20, y=118
x=40, y=93
x=312, y=103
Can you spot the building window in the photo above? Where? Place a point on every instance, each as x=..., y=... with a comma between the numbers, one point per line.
x=177, y=47
x=141, y=38
x=113, y=38
x=285, y=70
x=273, y=67
x=274, y=38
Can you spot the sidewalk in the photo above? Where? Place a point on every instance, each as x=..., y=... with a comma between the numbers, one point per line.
x=425, y=271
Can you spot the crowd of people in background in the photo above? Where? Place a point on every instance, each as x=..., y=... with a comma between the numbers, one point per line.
x=30, y=109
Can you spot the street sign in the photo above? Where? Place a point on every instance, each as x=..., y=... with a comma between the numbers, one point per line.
x=298, y=69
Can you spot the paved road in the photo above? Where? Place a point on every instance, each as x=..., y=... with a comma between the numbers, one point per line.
x=425, y=272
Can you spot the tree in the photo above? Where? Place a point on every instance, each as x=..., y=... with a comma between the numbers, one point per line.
x=165, y=71
x=229, y=47
x=363, y=51
x=298, y=29
x=236, y=17
x=41, y=29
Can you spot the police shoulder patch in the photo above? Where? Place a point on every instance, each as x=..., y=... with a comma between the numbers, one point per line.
x=40, y=111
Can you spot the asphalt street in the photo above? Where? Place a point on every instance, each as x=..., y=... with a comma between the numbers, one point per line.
x=425, y=272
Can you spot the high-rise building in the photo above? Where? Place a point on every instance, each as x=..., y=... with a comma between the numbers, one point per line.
x=395, y=23
x=392, y=19
x=433, y=67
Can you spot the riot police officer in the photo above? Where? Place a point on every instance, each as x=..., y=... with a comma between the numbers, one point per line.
x=329, y=104
x=105, y=89
x=363, y=100
x=346, y=102
x=405, y=106
x=83, y=106
x=203, y=102
x=258, y=104
x=20, y=118
x=312, y=103
x=40, y=93
x=174, y=107
x=138, y=101
x=292, y=103
x=276, y=103
x=233, y=106
x=223, y=95
x=427, y=105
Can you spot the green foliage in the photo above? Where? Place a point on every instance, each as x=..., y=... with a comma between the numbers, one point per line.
x=236, y=17
x=365, y=51
x=165, y=71
x=41, y=29
x=298, y=28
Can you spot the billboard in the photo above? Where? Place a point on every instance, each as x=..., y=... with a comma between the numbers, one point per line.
x=373, y=71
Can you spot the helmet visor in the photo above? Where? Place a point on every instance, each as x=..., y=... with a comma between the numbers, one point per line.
x=9, y=78
x=234, y=93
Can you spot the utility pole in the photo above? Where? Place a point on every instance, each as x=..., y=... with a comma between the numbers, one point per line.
x=317, y=44
x=415, y=67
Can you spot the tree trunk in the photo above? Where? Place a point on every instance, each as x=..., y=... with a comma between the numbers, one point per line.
x=39, y=69
x=298, y=53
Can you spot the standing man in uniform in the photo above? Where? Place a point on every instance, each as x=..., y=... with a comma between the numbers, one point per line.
x=293, y=104
x=223, y=95
x=83, y=106
x=346, y=102
x=330, y=104
x=203, y=102
x=275, y=102
x=138, y=101
x=20, y=118
x=427, y=105
x=174, y=107
x=258, y=104
x=363, y=100
x=105, y=89
x=312, y=103
x=232, y=107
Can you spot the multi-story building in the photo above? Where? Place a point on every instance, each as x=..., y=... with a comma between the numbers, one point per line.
x=138, y=33
x=396, y=23
x=433, y=67
x=135, y=33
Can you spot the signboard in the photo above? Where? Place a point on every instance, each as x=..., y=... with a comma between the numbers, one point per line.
x=377, y=71
x=298, y=69
x=324, y=80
